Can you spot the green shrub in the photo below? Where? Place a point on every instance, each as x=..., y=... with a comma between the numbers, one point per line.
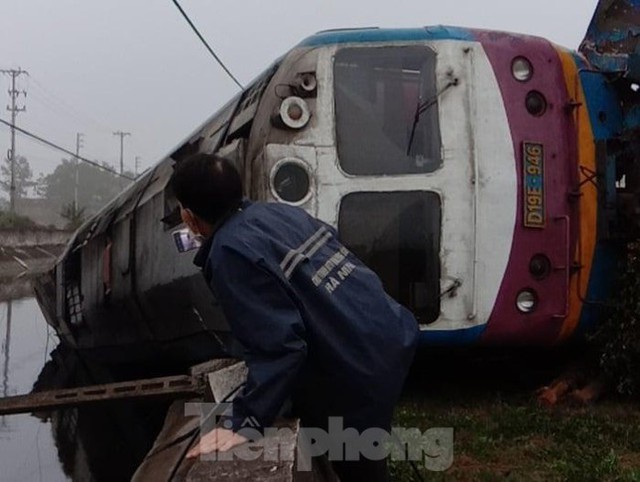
x=14, y=221
x=617, y=339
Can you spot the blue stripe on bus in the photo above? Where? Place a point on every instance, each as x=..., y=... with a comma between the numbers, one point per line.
x=439, y=32
x=465, y=336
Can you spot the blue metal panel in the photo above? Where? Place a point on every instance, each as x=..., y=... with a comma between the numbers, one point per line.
x=603, y=102
x=611, y=42
x=606, y=261
x=468, y=336
x=439, y=32
x=632, y=118
x=607, y=122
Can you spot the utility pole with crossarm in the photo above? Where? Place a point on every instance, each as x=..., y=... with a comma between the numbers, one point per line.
x=79, y=144
x=122, y=135
x=14, y=109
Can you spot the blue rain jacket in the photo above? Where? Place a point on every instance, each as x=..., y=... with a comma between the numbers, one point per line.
x=315, y=323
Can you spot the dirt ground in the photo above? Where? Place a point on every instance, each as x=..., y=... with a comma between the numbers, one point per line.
x=502, y=433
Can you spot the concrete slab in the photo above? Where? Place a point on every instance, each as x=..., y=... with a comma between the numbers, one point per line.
x=273, y=458
x=224, y=383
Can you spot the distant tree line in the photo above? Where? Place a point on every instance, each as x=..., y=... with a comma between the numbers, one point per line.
x=22, y=177
x=95, y=187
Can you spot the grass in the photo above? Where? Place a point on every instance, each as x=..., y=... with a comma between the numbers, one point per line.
x=500, y=433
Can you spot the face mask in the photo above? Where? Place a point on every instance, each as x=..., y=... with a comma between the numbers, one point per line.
x=198, y=238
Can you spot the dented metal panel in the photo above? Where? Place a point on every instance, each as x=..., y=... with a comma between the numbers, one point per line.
x=611, y=43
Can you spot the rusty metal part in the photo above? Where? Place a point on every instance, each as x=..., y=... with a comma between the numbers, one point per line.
x=551, y=395
x=613, y=36
x=591, y=392
x=175, y=386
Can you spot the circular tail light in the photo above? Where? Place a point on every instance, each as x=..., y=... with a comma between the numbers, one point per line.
x=526, y=301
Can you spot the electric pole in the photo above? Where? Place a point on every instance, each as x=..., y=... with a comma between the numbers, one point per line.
x=137, y=165
x=122, y=135
x=14, y=109
x=79, y=144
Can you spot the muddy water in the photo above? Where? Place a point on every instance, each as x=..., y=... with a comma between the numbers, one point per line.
x=27, y=448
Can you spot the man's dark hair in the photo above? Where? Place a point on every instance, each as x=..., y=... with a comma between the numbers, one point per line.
x=208, y=185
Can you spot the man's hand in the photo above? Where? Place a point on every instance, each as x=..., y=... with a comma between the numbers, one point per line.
x=219, y=439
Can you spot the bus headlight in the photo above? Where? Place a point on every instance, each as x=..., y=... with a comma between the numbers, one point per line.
x=521, y=69
x=540, y=266
x=290, y=181
x=294, y=112
x=536, y=103
x=307, y=84
x=526, y=301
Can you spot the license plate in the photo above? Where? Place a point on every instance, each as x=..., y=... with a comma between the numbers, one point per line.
x=533, y=189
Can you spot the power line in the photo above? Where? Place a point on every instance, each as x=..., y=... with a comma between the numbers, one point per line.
x=68, y=116
x=186, y=17
x=70, y=110
x=62, y=149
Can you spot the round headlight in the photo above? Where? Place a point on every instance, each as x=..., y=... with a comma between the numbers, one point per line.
x=308, y=83
x=526, y=301
x=294, y=112
x=521, y=69
x=291, y=182
x=540, y=266
x=536, y=103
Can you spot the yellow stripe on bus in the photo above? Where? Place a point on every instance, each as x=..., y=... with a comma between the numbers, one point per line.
x=587, y=203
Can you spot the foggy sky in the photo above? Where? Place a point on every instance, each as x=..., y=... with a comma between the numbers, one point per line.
x=134, y=65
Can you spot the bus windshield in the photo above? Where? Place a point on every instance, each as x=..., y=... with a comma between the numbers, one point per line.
x=379, y=92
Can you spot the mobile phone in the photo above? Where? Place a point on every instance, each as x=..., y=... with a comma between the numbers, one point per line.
x=185, y=241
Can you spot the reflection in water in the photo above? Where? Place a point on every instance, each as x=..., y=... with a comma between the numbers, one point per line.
x=27, y=449
x=6, y=342
x=102, y=441
x=90, y=443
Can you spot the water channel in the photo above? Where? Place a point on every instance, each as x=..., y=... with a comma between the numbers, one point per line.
x=27, y=447
x=91, y=443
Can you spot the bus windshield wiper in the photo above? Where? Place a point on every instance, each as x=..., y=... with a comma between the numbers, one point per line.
x=422, y=107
